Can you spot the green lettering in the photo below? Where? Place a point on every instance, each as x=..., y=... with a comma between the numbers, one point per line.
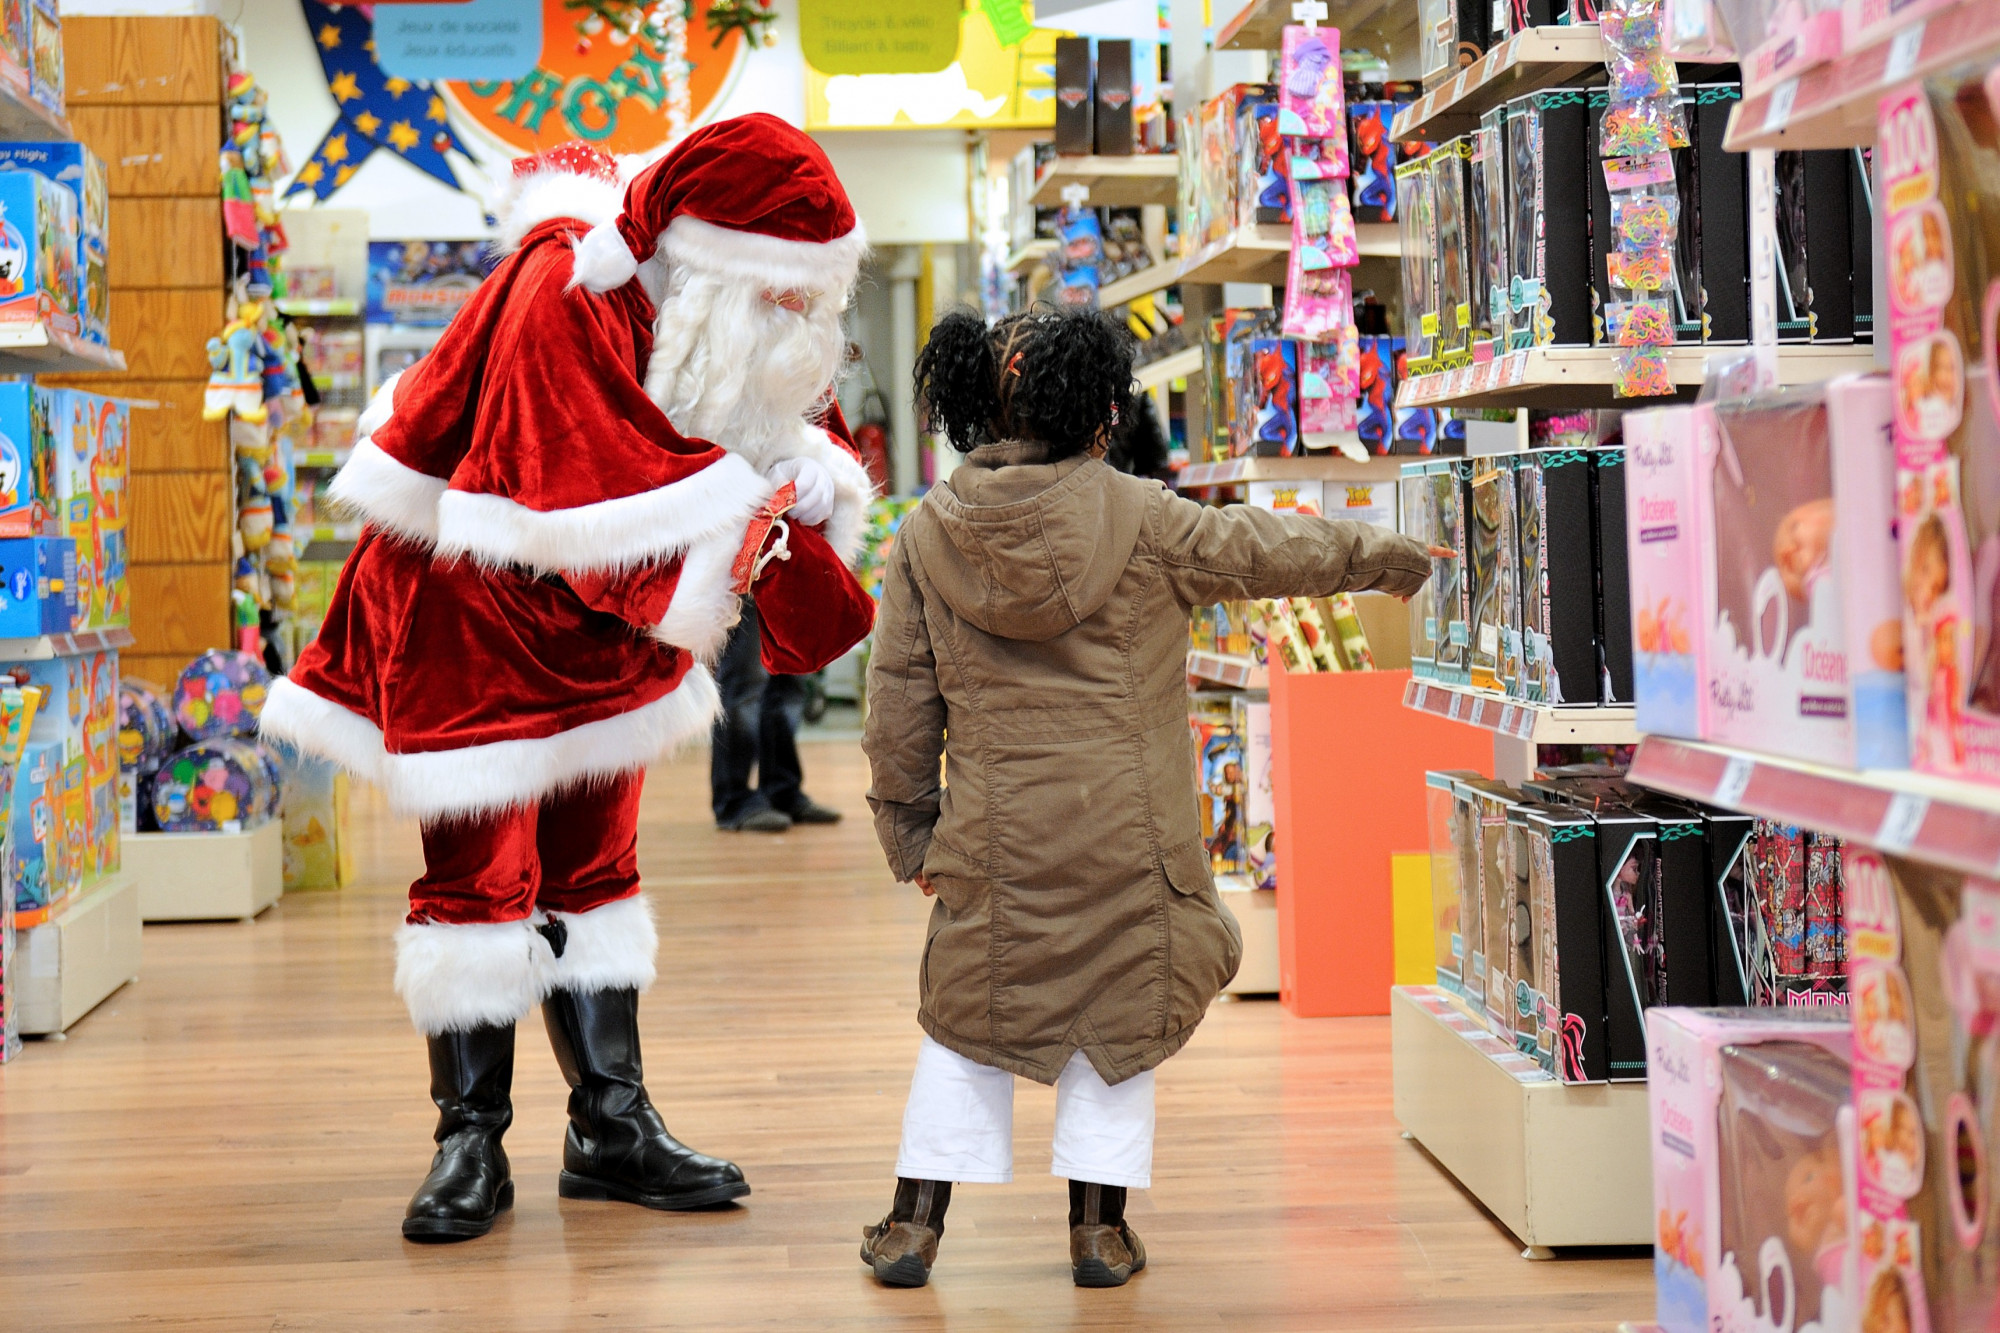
x=531, y=99
x=643, y=77
x=580, y=90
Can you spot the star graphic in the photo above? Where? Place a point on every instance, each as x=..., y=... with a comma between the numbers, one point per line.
x=329, y=37
x=335, y=149
x=344, y=175
x=397, y=87
x=436, y=111
x=402, y=137
x=310, y=174
x=343, y=87
x=368, y=122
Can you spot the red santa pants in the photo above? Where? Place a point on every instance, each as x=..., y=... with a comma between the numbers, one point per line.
x=572, y=852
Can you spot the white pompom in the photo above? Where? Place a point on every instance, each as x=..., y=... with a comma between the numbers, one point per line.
x=603, y=261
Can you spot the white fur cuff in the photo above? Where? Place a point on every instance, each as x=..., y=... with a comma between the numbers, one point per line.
x=602, y=260
x=455, y=978
x=705, y=606
x=377, y=489
x=296, y=716
x=853, y=488
x=608, y=948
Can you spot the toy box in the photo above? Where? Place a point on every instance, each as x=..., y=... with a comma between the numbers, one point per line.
x=27, y=463
x=1416, y=225
x=45, y=67
x=76, y=169
x=1263, y=196
x=1492, y=585
x=1371, y=159
x=319, y=853
x=38, y=249
x=110, y=479
x=1614, y=582
x=1537, y=677
x=1497, y=893
x=1752, y=1127
x=1252, y=721
x=1448, y=163
x=1557, y=847
x=1419, y=506
x=1221, y=793
x=1443, y=813
x=1272, y=366
x=1375, y=391
x=1549, y=163
x=1465, y=842
x=1447, y=631
x=1726, y=861
x=38, y=875
x=1487, y=184
x=1672, y=557
x=39, y=595
x=1858, y=414
x=101, y=763
x=74, y=423
x=1628, y=871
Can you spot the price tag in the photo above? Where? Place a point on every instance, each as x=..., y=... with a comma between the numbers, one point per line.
x=1901, y=821
x=1735, y=778
x=1419, y=695
x=1779, y=109
x=1507, y=719
x=1457, y=704
x=1308, y=11
x=1903, y=53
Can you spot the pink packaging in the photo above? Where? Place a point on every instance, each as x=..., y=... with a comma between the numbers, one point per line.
x=1863, y=21
x=1672, y=560
x=1753, y=1176
x=1792, y=49
x=1858, y=412
x=1310, y=100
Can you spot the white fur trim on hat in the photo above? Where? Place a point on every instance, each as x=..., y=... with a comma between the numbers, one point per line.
x=830, y=266
x=705, y=606
x=610, y=534
x=607, y=948
x=439, y=785
x=296, y=716
x=523, y=203
x=454, y=978
x=602, y=261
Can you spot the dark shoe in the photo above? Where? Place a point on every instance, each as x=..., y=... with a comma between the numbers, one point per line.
x=617, y=1147
x=809, y=811
x=902, y=1247
x=764, y=821
x=1103, y=1251
x=472, y=1074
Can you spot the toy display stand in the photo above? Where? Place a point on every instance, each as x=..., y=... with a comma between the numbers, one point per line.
x=1256, y=914
x=208, y=876
x=66, y=966
x=1558, y=1164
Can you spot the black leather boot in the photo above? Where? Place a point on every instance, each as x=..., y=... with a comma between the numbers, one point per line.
x=617, y=1147
x=472, y=1075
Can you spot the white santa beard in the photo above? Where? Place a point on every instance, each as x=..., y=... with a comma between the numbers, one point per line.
x=732, y=368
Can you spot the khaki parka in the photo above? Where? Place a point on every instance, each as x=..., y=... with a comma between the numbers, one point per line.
x=1034, y=632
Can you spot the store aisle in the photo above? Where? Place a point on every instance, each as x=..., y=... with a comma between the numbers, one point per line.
x=229, y=1144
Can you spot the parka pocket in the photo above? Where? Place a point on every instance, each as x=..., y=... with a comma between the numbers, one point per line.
x=1187, y=867
x=957, y=882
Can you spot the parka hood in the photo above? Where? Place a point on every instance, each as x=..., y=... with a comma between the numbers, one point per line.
x=1026, y=549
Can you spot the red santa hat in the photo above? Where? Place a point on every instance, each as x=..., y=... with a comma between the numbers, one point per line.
x=571, y=180
x=747, y=197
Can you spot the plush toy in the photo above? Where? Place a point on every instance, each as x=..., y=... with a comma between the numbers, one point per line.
x=236, y=382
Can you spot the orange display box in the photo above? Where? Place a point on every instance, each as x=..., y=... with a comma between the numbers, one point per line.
x=1347, y=776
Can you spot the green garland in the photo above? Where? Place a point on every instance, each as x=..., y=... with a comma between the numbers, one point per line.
x=752, y=18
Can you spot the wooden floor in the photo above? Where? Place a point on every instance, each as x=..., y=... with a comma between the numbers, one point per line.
x=229, y=1143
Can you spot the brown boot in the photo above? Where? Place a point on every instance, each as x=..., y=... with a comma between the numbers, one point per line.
x=1103, y=1251
x=902, y=1247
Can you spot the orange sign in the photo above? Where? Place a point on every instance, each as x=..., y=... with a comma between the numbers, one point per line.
x=612, y=95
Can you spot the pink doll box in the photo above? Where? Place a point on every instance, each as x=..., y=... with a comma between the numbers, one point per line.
x=1671, y=556
x=1751, y=1127
x=1864, y=549
x=1776, y=634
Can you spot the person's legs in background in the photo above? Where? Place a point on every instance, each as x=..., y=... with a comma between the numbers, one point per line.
x=780, y=775
x=1103, y=1146
x=733, y=751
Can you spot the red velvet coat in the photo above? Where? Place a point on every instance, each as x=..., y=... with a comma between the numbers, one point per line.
x=546, y=559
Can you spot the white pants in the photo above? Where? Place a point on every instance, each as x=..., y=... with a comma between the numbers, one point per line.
x=959, y=1123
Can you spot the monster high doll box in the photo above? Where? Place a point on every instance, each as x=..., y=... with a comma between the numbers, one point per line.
x=38, y=252
x=27, y=464
x=1449, y=635
x=1480, y=839
x=1569, y=579
x=1536, y=680
x=1493, y=575
x=1751, y=1125
x=1717, y=216
x=1489, y=184
x=1498, y=919
x=1550, y=162
x=39, y=593
x=1448, y=164
x=1558, y=845
x=1473, y=213
x=1614, y=588
x=1443, y=815
x=1416, y=225
x=78, y=170
x=1726, y=859
x=1420, y=523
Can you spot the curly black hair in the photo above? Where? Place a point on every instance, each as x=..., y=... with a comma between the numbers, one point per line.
x=1061, y=377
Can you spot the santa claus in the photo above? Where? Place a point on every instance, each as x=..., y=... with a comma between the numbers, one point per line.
x=626, y=428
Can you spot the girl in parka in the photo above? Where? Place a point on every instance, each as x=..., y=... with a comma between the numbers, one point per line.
x=1035, y=611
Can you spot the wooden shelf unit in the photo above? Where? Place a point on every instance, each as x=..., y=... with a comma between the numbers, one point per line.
x=146, y=94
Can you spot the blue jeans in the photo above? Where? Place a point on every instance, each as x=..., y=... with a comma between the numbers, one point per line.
x=757, y=730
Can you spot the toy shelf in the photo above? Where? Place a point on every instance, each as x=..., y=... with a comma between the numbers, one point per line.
x=1940, y=820
x=67, y=965
x=1259, y=25
x=1173, y=366
x=336, y=532
x=1833, y=105
x=37, y=349
x=1153, y=278
x=1541, y=724
x=208, y=876
x=321, y=308
x=1261, y=252
x=1241, y=672
x=1298, y=467
x=1029, y=255
x=1558, y=1164
x=22, y=118
x=1113, y=182
x=46, y=646
x=1537, y=58
x=1579, y=377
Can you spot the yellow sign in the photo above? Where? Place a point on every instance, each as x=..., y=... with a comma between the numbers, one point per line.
x=881, y=37
x=989, y=86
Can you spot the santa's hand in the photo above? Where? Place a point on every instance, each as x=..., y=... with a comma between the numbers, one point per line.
x=815, y=487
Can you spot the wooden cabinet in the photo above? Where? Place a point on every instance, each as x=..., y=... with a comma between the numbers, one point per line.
x=146, y=94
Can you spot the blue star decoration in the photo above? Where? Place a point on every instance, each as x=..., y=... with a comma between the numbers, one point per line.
x=401, y=116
